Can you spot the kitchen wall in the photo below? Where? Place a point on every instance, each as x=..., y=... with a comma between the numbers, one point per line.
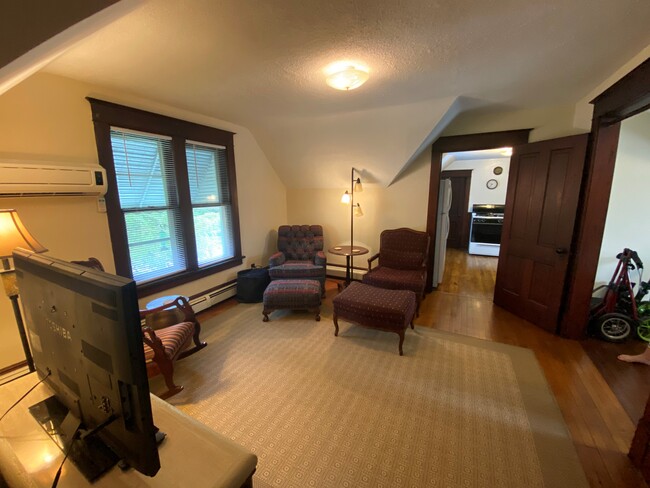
x=482, y=172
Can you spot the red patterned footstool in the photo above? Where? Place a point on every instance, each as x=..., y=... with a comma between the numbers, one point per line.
x=292, y=295
x=378, y=308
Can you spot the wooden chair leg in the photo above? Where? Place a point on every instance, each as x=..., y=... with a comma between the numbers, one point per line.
x=166, y=367
x=400, y=333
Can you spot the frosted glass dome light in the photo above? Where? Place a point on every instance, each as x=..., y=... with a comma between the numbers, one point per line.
x=347, y=77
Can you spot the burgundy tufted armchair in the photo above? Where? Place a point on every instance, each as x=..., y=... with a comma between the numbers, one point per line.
x=300, y=254
x=402, y=262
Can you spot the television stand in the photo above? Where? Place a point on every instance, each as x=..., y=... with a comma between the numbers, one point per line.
x=87, y=451
x=192, y=455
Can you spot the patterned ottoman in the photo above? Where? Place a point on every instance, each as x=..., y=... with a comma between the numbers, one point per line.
x=378, y=308
x=292, y=295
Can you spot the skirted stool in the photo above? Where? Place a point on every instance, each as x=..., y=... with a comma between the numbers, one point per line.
x=292, y=295
x=377, y=308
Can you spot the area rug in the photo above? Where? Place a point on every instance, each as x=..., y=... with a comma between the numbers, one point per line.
x=348, y=411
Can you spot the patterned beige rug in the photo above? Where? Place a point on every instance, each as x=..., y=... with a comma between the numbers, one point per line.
x=328, y=411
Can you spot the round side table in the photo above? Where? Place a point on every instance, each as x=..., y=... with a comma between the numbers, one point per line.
x=348, y=252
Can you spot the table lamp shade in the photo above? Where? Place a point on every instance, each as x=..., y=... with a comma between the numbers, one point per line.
x=13, y=234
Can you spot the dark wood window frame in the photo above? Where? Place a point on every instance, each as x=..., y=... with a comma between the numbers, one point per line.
x=106, y=115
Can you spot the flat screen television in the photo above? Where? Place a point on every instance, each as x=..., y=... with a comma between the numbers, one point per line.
x=85, y=333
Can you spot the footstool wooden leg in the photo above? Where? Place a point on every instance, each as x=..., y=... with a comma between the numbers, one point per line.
x=266, y=315
x=401, y=341
x=318, y=314
x=336, y=326
x=412, y=326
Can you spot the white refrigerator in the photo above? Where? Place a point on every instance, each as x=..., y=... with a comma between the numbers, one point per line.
x=442, y=231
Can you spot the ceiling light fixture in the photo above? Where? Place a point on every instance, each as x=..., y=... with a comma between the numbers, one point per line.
x=346, y=77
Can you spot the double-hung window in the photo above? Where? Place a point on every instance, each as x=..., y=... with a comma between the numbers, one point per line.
x=172, y=196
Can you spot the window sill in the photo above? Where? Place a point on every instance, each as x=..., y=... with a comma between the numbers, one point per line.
x=162, y=284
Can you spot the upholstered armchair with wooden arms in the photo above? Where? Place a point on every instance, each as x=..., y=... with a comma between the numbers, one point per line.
x=300, y=254
x=402, y=260
x=168, y=332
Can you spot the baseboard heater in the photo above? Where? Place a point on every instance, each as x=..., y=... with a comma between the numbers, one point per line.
x=212, y=297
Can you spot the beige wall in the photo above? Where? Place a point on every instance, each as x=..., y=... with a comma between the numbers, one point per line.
x=403, y=204
x=46, y=117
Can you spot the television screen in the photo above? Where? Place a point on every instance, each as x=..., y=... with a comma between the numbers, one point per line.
x=85, y=333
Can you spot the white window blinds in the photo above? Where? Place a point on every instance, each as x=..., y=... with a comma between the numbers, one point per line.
x=146, y=185
x=207, y=170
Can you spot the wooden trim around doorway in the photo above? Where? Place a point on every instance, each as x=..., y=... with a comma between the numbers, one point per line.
x=627, y=97
x=469, y=142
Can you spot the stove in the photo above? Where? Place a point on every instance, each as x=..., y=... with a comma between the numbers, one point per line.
x=485, y=229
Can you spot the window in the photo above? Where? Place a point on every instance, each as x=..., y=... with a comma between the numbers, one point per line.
x=171, y=200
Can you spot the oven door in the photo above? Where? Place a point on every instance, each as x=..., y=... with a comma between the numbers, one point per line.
x=486, y=231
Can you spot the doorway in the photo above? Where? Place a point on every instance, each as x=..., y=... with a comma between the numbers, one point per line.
x=478, y=182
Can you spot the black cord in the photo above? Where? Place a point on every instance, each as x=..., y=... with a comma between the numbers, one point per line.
x=28, y=392
x=75, y=436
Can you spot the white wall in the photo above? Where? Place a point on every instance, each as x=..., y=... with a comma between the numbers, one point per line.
x=47, y=117
x=482, y=171
x=627, y=222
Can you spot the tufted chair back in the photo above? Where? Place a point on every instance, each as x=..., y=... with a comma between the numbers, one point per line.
x=403, y=248
x=300, y=242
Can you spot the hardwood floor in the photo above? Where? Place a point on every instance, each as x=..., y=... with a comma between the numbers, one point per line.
x=601, y=428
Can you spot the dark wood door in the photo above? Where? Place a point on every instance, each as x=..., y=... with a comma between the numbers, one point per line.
x=541, y=202
x=458, y=213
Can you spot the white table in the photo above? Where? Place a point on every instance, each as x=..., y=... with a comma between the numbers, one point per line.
x=192, y=454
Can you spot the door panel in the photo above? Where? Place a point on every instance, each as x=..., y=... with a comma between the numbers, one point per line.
x=541, y=203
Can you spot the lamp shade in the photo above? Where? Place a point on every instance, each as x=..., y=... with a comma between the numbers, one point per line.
x=13, y=234
x=345, y=198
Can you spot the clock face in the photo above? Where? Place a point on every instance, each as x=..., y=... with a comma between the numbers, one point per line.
x=492, y=184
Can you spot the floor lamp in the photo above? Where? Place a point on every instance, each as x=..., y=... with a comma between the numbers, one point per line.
x=13, y=234
x=355, y=210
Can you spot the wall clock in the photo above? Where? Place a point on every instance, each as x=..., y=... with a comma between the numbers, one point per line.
x=497, y=170
x=492, y=184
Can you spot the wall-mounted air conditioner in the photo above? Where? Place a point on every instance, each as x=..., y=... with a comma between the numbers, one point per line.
x=18, y=178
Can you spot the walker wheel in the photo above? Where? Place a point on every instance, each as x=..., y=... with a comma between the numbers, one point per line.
x=614, y=327
x=643, y=330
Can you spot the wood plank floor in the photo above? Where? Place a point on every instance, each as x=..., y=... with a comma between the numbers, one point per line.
x=601, y=428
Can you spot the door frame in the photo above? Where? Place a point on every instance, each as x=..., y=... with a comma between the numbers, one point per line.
x=469, y=142
x=625, y=98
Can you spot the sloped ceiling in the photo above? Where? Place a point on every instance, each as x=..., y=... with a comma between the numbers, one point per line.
x=260, y=64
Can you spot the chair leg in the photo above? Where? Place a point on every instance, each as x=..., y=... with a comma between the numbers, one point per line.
x=198, y=344
x=400, y=333
x=336, y=325
x=166, y=367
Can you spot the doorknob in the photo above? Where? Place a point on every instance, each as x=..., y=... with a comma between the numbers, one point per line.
x=560, y=250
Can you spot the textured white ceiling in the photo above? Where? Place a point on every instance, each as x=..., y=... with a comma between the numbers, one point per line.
x=260, y=64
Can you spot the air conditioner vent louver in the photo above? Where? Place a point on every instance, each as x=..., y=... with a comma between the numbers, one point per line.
x=22, y=178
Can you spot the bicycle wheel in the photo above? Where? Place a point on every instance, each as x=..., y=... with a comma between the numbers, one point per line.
x=615, y=327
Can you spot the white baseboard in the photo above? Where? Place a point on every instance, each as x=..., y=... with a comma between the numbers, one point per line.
x=212, y=298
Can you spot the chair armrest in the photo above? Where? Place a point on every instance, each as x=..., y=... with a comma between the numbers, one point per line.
x=153, y=341
x=277, y=259
x=370, y=260
x=320, y=259
x=178, y=304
